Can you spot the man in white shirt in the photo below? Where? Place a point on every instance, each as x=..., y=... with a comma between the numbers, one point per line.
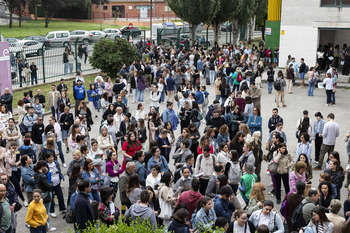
x=330, y=134
x=154, y=98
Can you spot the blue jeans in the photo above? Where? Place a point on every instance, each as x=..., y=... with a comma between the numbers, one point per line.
x=217, y=97
x=329, y=96
x=58, y=192
x=95, y=195
x=162, y=96
x=41, y=229
x=212, y=75
x=59, y=145
x=66, y=65
x=197, y=123
x=223, y=99
x=269, y=86
x=47, y=207
x=134, y=94
x=140, y=95
x=53, y=111
x=301, y=75
x=230, y=81
x=310, y=91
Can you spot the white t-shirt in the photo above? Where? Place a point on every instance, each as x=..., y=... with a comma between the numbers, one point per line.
x=264, y=219
x=55, y=176
x=240, y=229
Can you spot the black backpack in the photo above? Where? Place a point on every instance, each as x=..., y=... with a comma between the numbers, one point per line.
x=277, y=84
x=270, y=76
x=298, y=220
x=211, y=66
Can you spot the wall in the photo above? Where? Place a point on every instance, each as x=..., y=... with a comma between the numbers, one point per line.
x=301, y=21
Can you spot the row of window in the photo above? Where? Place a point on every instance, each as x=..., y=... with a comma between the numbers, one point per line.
x=335, y=3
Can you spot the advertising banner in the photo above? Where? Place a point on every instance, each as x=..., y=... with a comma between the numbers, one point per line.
x=5, y=67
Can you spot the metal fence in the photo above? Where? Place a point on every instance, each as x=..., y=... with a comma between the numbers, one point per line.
x=35, y=63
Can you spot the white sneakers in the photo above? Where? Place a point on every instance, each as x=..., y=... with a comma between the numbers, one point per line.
x=64, y=165
x=25, y=203
x=53, y=215
x=53, y=229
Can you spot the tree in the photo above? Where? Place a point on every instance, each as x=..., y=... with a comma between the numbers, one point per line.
x=10, y=6
x=227, y=9
x=50, y=8
x=194, y=12
x=19, y=7
x=109, y=56
x=261, y=16
x=35, y=3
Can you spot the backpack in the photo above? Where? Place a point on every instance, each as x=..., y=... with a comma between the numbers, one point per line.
x=306, y=69
x=22, y=127
x=284, y=207
x=160, y=98
x=70, y=215
x=211, y=66
x=176, y=97
x=277, y=84
x=206, y=100
x=200, y=160
x=233, y=174
x=298, y=220
x=239, y=77
x=244, y=85
x=270, y=77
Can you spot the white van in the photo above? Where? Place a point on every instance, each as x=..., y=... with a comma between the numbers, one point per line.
x=59, y=38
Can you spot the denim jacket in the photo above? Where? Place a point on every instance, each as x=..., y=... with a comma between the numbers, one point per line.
x=86, y=176
x=27, y=174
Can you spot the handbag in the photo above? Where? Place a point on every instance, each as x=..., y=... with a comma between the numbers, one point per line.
x=70, y=215
x=46, y=198
x=272, y=166
x=167, y=211
x=106, y=180
x=334, y=90
x=239, y=202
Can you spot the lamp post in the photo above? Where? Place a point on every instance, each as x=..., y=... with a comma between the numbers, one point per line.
x=150, y=21
x=100, y=15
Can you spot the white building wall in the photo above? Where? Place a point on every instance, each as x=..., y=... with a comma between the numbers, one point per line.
x=301, y=21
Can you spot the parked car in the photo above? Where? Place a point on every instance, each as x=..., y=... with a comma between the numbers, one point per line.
x=114, y=36
x=135, y=31
x=29, y=47
x=82, y=36
x=226, y=26
x=97, y=35
x=110, y=31
x=11, y=40
x=41, y=39
x=59, y=38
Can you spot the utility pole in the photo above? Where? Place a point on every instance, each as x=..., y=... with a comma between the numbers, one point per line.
x=100, y=15
x=150, y=20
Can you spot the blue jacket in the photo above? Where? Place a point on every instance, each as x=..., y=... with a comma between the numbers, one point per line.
x=223, y=208
x=27, y=119
x=199, y=97
x=27, y=175
x=304, y=149
x=223, y=138
x=86, y=176
x=141, y=172
x=89, y=92
x=204, y=220
x=168, y=116
x=79, y=92
x=162, y=162
x=170, y=84
x=199, y=64
x=27, y=150
x=257, y=123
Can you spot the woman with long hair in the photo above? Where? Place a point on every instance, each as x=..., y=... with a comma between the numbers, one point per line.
x=244, y=128
x=109, y=89
x=105, y=142
x=185, y=135
x=184, y=114
x=195, y=136
x=12, y=133
x=205, y=216
x=211, y=135
x=255, y=121
x=73, y=177
x=113, y=169
x=223, y=154
x=304, y=146
x=133, y=188
x=27, y=174
x=64, y=99
x=257, y=198
x=141, y=86
x=167, y=196
x=237, y=143
x=96, y=156
x=247, y=155
x=304, y=127
x=104, y=103
x=140, y=112
x=195, y=112
x=107, y=211
x=284, y=162
x=204, y=141
x=336, y=173
x=130, y=146
x=179, y=222
x=326, y=194
x=293, y=200
x=155, y=124
x=91, y=173
x=5, y=115
x=223, y=136
x=241, y=223
x=319, y=222
x=224, y=90
x=84, y=111
x=153, y=202
x=257, y=152
x=109, y=111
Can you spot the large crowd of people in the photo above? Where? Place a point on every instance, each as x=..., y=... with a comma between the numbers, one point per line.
x=190, y=183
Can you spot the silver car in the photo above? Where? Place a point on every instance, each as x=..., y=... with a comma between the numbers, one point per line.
x=110, y=31
x=29, y=47
x=82, y=36
x=97, y=35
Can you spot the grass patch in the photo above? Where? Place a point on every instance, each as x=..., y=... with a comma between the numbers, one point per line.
x=46, y=88
x=37, y=28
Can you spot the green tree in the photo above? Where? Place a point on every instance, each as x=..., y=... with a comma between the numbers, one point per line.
x=19, y=7
x=11, y=7
x=261, y=16
x=227, y=9
x=194, y=12
x=109, y=56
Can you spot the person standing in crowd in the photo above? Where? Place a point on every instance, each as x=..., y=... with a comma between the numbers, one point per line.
x=329, y=134
x=79, y=95
x=123, y=180
x=36, y=216
x=266, y=216
x=205, y=167
x=6, y=99
x=274, y=120
x=255, y=94
x=83, y=207
x=5, y=225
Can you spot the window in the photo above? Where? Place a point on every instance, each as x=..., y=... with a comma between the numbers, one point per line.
x=105, y=8
x=50, y=36
x=335, y=3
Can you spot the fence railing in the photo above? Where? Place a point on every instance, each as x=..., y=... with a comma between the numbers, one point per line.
x=35, y=63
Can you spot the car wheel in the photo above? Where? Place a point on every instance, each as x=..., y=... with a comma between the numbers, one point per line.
x=40, y=52
x=86, y=41
x=65, y=44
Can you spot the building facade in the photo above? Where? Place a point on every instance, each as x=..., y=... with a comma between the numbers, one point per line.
x=136, y=9
x=307, y=24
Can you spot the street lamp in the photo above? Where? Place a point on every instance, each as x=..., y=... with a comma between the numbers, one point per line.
x=150, y=21
x=100, y=16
